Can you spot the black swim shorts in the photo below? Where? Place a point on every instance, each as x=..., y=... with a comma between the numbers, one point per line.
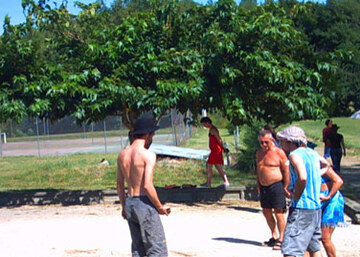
x=273, y=196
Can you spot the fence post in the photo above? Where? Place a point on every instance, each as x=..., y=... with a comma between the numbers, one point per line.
x=237, y=138
x=48, y=128
x=173, y=126
x=203, y=113
x=44, y=126
x=121, y=136
x=37, y=136
x=92, y=132
x=104, y=122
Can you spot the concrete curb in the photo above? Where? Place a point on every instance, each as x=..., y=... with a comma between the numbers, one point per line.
x=352, y=209
x=176, y=195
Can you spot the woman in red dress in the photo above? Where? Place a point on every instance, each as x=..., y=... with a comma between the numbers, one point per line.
x=216, y=148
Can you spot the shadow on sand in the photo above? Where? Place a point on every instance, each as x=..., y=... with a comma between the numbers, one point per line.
x=248, y=209
x=237, y=241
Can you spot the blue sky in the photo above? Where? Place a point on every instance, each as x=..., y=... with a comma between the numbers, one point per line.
x=14, y=10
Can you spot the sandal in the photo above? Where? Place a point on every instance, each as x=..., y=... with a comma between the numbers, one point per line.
x=277, y=245
x=271, y=242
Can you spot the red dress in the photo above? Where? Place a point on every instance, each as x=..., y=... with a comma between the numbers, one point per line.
x=215, y=156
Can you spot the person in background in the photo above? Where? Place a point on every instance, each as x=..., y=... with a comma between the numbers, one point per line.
x=273, y=133
x=306, y=167
x=326, y=131
x=272, y=179
x=141, y=206
x=337, y=147
x=216, y=153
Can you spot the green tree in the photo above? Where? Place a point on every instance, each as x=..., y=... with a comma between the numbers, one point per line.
x=334, y=27
x=256, y=68
x=252, y=64
x=102, y=68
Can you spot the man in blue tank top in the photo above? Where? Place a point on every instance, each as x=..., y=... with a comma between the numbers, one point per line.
x=302, y=232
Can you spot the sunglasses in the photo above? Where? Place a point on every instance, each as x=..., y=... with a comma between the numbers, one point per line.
x=264, y=142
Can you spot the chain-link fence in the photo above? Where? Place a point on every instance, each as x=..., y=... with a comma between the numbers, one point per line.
x=41, y=137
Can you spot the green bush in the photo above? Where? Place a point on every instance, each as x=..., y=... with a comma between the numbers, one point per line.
x=246, y=158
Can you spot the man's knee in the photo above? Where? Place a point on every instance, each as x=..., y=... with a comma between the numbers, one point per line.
x=267, y=212
x=279, y=211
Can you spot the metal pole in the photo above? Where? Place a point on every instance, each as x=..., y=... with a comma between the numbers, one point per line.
x=11, y=128
x=37, y=136
x=84, y=130
x=173, y=126
x=237, y=138
x=105, y=136
x=121, y=136
x=44, y=126
x=92, y=132
x=48, y=128
x=203, y=113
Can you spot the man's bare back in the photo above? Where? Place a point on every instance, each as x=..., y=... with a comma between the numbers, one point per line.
x=136, y=166
x=135, y=161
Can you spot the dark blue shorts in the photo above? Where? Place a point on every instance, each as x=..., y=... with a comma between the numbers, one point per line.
x=273, y=196
x=147, y=233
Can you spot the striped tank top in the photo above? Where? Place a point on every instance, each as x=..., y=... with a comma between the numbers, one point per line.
x=310, y=198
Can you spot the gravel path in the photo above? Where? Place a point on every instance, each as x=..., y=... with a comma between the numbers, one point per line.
x=225, y=229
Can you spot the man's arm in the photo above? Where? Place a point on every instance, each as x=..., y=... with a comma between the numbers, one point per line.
x=216, y=134
x=120, y=187
x=336, y=183
x=149, y=188
x=343, y=145
x=257, y=158
x=300, y=169
x=324, y=135
x=284, y=168
x=324, y=165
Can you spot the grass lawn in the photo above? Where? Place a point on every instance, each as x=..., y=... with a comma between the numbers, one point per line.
x=349, y=128
x=83, y=171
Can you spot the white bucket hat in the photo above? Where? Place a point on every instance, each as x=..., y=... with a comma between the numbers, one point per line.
x=293, y=134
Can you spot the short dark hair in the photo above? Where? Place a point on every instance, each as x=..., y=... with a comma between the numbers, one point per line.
x=327, y=122
x=205, y=120
x=137, y=136
x=265, y=132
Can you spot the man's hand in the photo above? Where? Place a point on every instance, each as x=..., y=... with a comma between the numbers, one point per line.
x=324, y=198
x=164, y=210
x=287, y=193
x=123, y=213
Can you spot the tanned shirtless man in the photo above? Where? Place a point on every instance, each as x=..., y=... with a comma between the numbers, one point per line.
x=141, y=206
x=272, y=179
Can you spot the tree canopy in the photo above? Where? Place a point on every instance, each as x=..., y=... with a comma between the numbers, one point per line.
x=251, y=62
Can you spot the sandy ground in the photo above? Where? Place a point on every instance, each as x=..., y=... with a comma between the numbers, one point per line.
x=225, y=229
